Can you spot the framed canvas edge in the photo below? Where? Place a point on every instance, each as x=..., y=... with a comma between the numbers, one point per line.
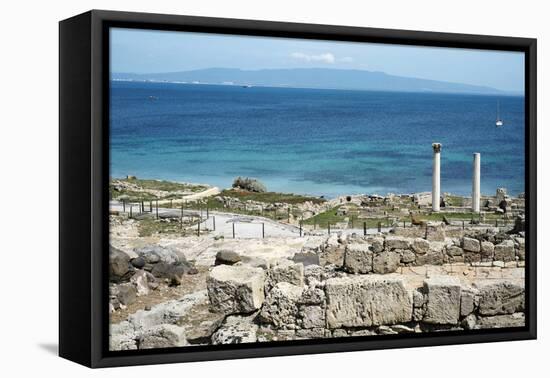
x=99, y=172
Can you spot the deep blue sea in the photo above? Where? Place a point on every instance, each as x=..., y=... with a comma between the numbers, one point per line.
x=311, y=141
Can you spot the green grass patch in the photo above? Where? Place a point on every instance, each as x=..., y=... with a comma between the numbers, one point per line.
x=271, y=197
x=161, y=185
x=331, y=216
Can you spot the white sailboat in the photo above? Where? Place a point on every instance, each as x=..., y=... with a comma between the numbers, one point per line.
x=499, y=122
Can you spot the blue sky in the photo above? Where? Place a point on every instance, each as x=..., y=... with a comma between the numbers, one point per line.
x=146, y=51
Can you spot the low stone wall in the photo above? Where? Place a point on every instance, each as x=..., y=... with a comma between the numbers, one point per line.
x=384, y=254
x=247, y=304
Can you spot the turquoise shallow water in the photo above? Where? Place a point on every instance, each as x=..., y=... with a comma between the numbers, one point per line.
x=323, y=142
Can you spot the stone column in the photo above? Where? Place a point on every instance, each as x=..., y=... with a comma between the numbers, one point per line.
x=436, y=190
x=476, y=195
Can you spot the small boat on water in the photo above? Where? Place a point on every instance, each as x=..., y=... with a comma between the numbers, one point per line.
x=499, y=122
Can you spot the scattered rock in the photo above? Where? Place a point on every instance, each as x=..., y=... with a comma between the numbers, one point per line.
x=227, y=257
x=118, y=264
x=138, y=262
x=162, y=336
x=173, y=273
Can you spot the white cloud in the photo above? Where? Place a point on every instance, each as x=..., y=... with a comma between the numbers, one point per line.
x=324, y=58
x=346, y=59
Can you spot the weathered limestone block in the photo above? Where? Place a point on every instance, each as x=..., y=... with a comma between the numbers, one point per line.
x=471, y=245
x=285, y=271
x=505, y=251
x=435, y=231
x=358, y=258
x=467, y=301
x=407, y=256
x=122, y=336
x=364, y=301
x=332, y=252
x=520, y=252
x=454, y=251
x=313, y=274
x=281, y=305
x=312, y=296
x=397, y=242
x=443, y=300
x=377, y=244
x=386, y=262
x=118, y=263
x=312, y=317
x=500, y=297
x=420, y=246
x=432, y=257
x=487, y=250
x=235, y=289
x=501, y=321
x=310, y=333
x=236, y=330
x=162, y=336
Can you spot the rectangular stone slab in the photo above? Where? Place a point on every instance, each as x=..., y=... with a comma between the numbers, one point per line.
x=364, y=301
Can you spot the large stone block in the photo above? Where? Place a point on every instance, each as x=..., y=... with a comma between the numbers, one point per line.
x=505, y=251
x=435, y=231
x=285, y=271
x=397, y=242
x=234, y=289
x=521, y=248
x=471, y=245
x=364, y=301
x=487, y=250
x=332, y=252
x=443, y=300
x=500, y=297
x=358, y=258
x=386, y=262
x=312, y=317
x=420, y=246
x=501, y=321
x=281, y=305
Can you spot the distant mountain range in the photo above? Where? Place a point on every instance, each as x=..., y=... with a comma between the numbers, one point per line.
x=325, y=78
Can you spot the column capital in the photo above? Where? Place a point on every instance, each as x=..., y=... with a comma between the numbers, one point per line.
x=436, y=147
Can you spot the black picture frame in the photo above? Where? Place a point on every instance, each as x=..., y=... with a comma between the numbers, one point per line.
x=84, y=175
